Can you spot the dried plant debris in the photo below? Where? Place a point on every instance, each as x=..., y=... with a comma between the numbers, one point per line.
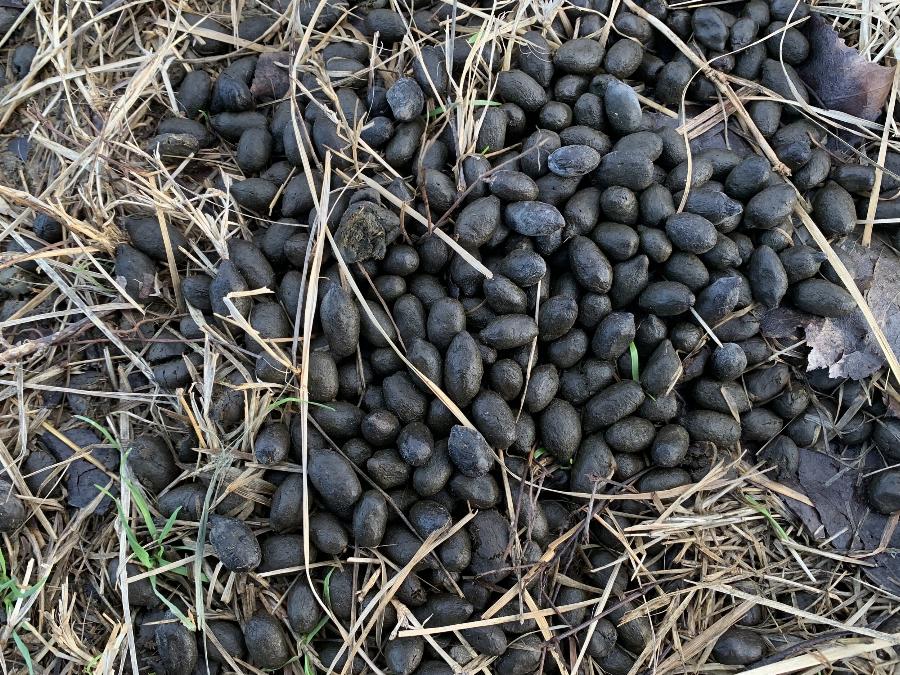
x=840, y=489
x=841, y=77
x=844, y=345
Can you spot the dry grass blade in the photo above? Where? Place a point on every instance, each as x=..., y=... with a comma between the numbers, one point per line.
x=21, y=198
x=820, y=658
x=882, y=154
x=808, y=616
x=705, y=639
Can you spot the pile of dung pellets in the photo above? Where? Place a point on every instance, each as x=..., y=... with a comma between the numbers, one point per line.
x=462, y=300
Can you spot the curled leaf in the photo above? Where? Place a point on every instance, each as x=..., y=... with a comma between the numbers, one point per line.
x=841, y=77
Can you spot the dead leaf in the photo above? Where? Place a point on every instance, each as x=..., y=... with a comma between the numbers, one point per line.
x=270, y=79
x=808, y=515
x=841, y=77
x=783, y=322
x=845, y=346
x=836, y=344
x=859, y=260
x=837, y=490
x=884, y=297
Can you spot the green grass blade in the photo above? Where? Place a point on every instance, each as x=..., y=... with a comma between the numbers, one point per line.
x=143, y=507
x=635, y=365
x=186, y=622
x=327, y=587
x=312, y=634
x=27, y=592
x=539, y=453
x=181, y=571
x=7, y=603
x=23, y=650
x=167, y=527
x=139, y=551
x=763, y=511
x=102, y=429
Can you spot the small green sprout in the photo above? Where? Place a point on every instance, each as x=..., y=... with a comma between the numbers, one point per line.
x=635, y=365
x=10, y=593
x=152, y=556
x=763, y=511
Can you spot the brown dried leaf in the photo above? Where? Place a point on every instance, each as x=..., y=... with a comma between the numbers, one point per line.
x=835, y=343
x=893, y=405
x=841, y=77
x=884, y=297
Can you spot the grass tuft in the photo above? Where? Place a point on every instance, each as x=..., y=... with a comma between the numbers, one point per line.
x=11, y=592
x=152, y=556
